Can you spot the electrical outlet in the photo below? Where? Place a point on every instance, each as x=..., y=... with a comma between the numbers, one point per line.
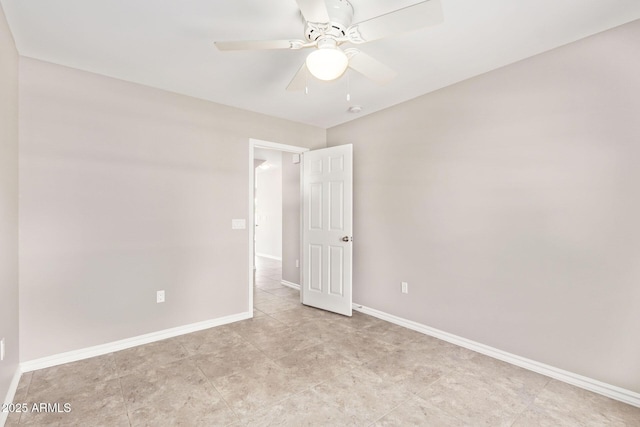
x=405, y=288
x=160, y=297
x=2, y=349
x=297, y=263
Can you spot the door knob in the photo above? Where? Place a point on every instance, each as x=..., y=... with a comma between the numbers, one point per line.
x=347, y=239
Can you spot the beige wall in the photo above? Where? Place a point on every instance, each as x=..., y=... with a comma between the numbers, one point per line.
x=8, y=205
x=126, y=190
x=290, y=219
x=511, y=203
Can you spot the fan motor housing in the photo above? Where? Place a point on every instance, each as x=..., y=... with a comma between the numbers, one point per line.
x=340, y=14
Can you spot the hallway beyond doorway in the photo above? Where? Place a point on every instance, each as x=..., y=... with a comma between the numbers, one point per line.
x=269, y=295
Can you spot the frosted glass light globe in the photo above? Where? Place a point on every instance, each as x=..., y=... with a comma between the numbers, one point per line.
x=327, y=63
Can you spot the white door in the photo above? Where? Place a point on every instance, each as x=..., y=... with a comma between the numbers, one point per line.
x=327, y=228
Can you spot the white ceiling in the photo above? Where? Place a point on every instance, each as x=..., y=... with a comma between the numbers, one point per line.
x=168, y=45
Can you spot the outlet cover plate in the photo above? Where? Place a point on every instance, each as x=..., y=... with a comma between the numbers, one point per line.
x=160, y=297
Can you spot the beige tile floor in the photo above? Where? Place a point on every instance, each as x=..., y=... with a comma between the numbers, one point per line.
x=293, y=365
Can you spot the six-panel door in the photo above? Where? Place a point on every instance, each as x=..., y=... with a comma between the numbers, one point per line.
x=327, y=228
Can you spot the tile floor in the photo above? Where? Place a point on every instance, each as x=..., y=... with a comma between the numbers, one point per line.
x=293, y=365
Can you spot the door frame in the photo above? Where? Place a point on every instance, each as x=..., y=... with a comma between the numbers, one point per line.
x=253, y=144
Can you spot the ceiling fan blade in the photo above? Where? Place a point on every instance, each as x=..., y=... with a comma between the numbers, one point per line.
x=299, y=81
x=369, y=67
x=314, y=10
x=261, y=44
x=421, y=15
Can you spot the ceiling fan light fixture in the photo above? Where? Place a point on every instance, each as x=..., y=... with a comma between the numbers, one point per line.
x=327, y=62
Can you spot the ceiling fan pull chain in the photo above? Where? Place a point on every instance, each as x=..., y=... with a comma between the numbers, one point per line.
x=348, y=86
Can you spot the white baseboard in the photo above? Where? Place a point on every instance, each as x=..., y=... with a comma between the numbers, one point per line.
x=99, y=350
x=608, y=390
x=290, y=284
x=11, y=393
x=269, y=256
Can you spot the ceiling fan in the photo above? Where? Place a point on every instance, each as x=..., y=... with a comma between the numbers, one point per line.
x=328, y=25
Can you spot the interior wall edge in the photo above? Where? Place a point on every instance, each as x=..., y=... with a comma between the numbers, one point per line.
x=9, y=207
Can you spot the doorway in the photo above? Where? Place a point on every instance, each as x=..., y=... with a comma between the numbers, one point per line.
x=268, y=203
x=325, y=210
x=274, y=237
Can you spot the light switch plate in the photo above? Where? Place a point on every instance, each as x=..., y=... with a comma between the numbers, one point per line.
x=238, y=224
